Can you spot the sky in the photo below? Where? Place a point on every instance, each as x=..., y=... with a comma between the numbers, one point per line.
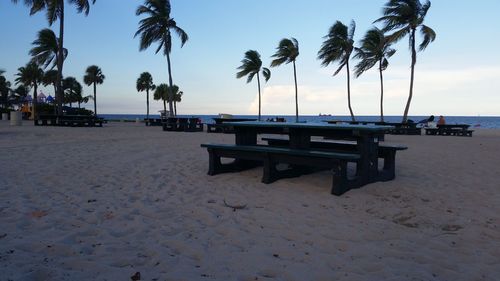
x=457, y=75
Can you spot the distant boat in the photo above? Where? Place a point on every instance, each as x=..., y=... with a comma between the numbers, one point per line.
x=325, y=114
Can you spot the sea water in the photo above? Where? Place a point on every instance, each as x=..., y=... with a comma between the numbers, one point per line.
x=474, y=121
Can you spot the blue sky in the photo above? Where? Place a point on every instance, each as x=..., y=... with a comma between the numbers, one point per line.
x=457, y=75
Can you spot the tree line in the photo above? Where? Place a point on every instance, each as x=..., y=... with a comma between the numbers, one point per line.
x=400, y=19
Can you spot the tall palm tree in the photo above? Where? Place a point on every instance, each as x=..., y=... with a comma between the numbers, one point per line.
x=338, y=46
x=162, y=93
x=287, y=52
x=55, y=11
x=94, y=76
x=251, y=66
x=375, y=49
x=46, y=49
x=31, y=75
x=145, y=83
x=72, y=90
x=158, y=27
x=404, y=17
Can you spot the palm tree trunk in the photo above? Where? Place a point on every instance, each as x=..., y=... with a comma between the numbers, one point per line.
x=258, y=85
x=147, y=103
x=349, y=91
x=381, y=93
x=55, y=97
x=79, y=107
x=60, y=60
x=296, y=94
x=95, y=99
x=170, y=94
x=413, y=62
x=175, y=108
x=165, y=107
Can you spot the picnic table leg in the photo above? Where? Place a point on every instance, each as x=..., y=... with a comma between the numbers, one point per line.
x=340, y=183
x=367, y=166
x=245, y=137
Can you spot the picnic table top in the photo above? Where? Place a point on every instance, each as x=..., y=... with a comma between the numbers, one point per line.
x=218, y=119
x=374, y=128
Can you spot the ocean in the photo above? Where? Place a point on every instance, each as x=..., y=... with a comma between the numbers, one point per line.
x=474, y=121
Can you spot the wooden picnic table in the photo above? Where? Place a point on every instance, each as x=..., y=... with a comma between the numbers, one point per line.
x=450, y=130
x=366, y=137
x=218, y=128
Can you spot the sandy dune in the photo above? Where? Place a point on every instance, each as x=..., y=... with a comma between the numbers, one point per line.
x=105, y=203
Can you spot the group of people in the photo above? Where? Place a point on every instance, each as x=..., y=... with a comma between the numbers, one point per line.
x=430, y=121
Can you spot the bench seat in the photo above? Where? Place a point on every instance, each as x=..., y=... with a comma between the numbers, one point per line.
x=385, y=151
x=249, y=156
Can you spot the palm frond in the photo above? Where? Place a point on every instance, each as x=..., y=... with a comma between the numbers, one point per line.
x=266, y=73
x=429, y=36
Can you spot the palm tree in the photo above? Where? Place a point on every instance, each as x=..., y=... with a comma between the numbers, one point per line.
x=72, y=90
x=145, y=83
x=158, y=27
x=162, y=93
x=55, y=11
x=375, y=48
x=252, y=65
x=174, y=93
x=30, y=75
x=287, y=52
x=50, y=78
x=4, y=89
x=338, y=46
x=93, y=75
x=404, y=17
x=45, y=49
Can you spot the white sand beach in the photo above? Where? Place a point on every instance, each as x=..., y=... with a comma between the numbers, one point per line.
x=105, y=203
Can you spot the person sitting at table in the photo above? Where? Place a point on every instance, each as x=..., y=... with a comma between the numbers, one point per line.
x=441, y=120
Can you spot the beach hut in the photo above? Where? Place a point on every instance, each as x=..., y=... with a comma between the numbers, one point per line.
x=41, y=97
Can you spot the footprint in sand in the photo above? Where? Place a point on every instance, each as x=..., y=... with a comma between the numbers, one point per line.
x=451, y=227
x=405, y=220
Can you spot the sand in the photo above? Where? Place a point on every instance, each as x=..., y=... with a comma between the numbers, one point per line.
x=105, y=203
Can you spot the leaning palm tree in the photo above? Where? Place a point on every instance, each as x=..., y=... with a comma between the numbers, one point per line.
x=158, y=27
x=375, y=49
x=287, y=52
x=55, y=11
x=31, y=75
x=162, y=93
x=45, y=49
x=94, y=76
x=404, y=17
x=145, y=83
x=251, y=66
x=338, y=46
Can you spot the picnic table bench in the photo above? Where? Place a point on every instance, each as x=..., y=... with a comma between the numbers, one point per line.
x=450, y=130
x=270, y=156
x=385, y=151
